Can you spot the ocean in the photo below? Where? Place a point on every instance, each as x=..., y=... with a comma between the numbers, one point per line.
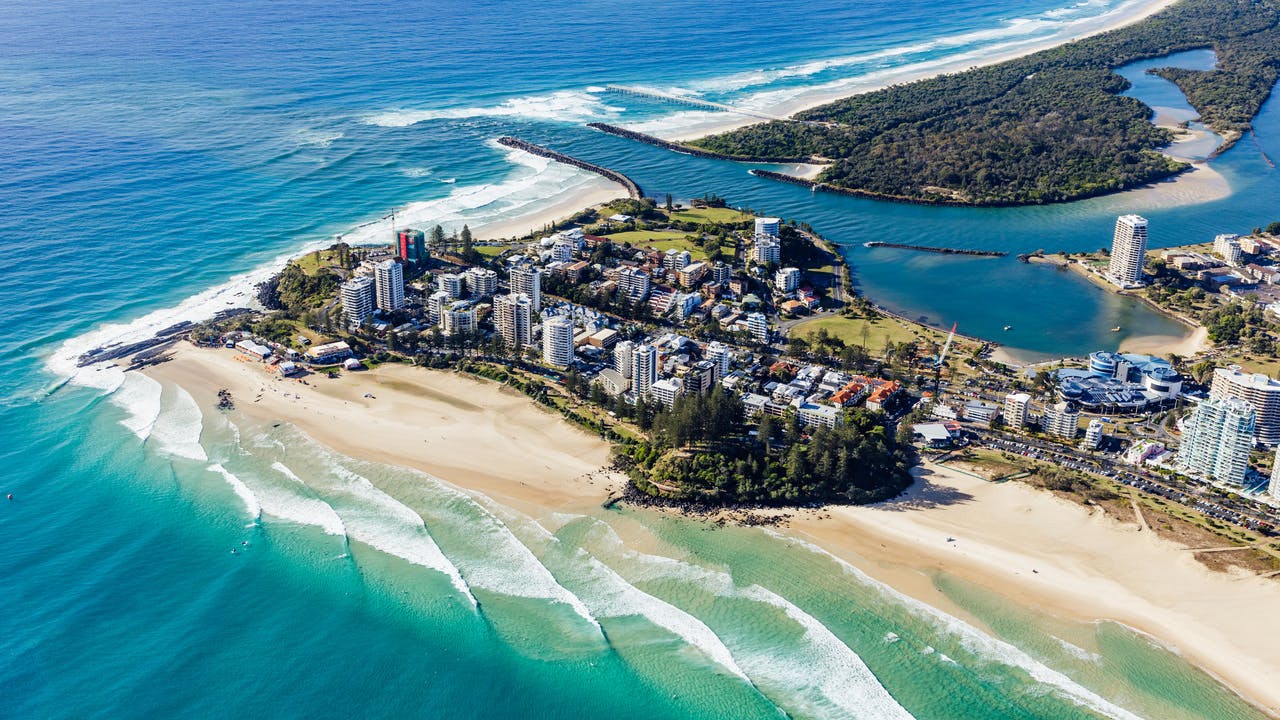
x=160, y=158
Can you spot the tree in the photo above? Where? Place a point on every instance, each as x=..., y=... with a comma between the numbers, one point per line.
x=668, y=202
x=437, y=235
x=467, y=249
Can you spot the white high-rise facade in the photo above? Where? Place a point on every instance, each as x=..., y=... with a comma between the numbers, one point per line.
x=1216, y=440
x=557, y=341
x=768, y=226
x=459, y=318
x=357, y=299
x=766, y=250
x=527, y=279
x=1274, y=487
x=389, y=282
x=1128, y=251
x=1260, y=391
x=622, y=358
x=758, y=324
x=1016, y=408
x=720, y=355
x=1061, y=420
x=1228, y=247
x=644, y=369
x=450, y=283
x=634, y=283
x=482, y=282
x=1093, y=435
x=513, y=319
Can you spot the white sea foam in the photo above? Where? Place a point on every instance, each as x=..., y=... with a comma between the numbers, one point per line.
x=612, y=596
x=564, y=106
x=318, y=138
x=382, y=522
x=177, y=429
x=508, y=566
x=821, y=662
x=416, y=172
x=1076, y=651
x=297, y=508
x=139, y=396
x=978, y=642
x=246, y=495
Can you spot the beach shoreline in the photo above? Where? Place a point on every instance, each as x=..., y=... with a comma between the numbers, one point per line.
x=1024, y=544
x=595, y=192
x=825, y=94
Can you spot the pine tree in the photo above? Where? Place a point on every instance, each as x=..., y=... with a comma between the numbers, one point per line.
x=437, y=235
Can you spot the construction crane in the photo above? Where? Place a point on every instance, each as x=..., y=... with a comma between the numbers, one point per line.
x=942, y=358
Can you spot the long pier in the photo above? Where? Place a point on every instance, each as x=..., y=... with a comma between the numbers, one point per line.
x=686, y=100
x=687, y=149
x=941, y=250
x=632, y=188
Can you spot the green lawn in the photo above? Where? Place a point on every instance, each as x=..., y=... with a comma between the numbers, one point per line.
x=311, y=263
x=660, y=240
x=492, y=251
x=850, y=331
x=710, y=215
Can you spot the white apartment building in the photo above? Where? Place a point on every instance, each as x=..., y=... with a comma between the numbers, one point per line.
x=634, y=283
x=1061, y=420
x=1228, y=248
x=766, y=250
x=758, y=324
x=557, y=341
x=787, y=279
x=622, y=358
x=1128, y=251
x=450, y=283
x=1093, y=434
x=667, y=390
x=482, y=282
x=389, y=285
x=675, y=260
x=513, y=320
x=644, y=369
x=459, y=318
x=357, y=296
x=1216, y=440
x=436, y=305
x=1274, y=486
x=528, y=280
x=562, y=249
x=1261, y=392
x=768, y=226
x=720, y=356
x=1017, y=407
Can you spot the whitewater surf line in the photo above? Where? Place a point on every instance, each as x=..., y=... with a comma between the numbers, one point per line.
x=632, y=188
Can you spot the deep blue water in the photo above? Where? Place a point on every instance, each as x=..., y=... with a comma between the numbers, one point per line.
x=153, y=151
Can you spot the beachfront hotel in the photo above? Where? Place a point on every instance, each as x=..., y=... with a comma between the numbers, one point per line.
x=557, y=341
x=513, y=319
x=1261, y=392
x=527, y=279
x=1128, y=251
x=389, y=283
x=357, y=299
x=1016, y=408
x=1216, y=440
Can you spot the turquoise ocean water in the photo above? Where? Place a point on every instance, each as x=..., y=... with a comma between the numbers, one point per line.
x=158, y=158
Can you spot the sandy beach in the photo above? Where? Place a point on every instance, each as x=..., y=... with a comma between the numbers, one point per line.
x=471, y=432
x=1025, y=544
x=596, y=192
x=1196, y=342
x=703, y=123
x=1045, y=552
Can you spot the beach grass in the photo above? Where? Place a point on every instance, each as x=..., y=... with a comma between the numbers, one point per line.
x=878, y=330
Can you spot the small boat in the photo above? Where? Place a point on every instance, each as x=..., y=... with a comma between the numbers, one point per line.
x=1115, y=329
x=1007, y=328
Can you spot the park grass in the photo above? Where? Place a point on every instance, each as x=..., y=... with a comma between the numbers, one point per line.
x=878, y=330
x=314, y=262
x=722, y=216
x=662, y=240
x=1252, y=362
x=492, y=251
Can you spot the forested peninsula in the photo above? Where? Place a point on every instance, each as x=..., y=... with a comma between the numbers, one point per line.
x=1048, y=127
